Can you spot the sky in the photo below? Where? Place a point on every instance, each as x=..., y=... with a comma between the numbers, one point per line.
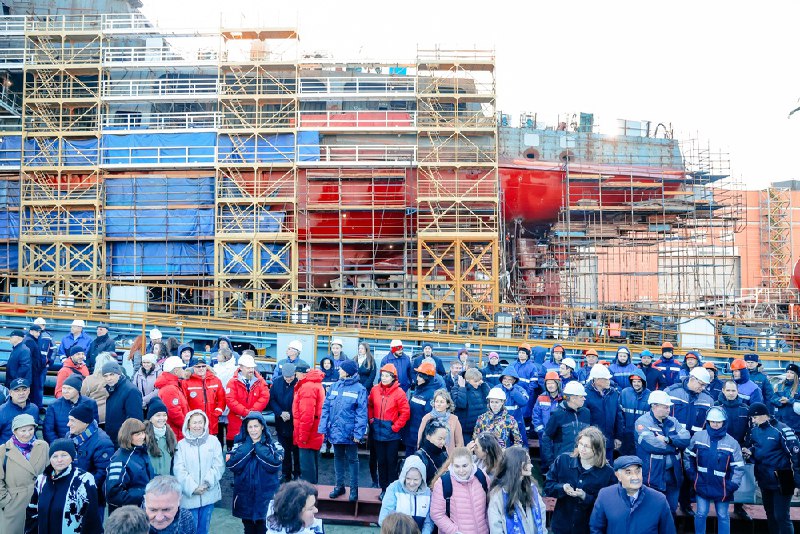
x=724, y=73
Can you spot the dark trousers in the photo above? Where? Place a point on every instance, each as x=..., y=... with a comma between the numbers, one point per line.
x=309, y=465
x=255, y=527
x=776, y=507
x=344, y=456
x=373, y=458
x=291, y=458
x=386, y=452
x=221, y=429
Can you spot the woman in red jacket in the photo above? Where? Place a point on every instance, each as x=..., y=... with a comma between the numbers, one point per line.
x=309, y=396
x=388, y=412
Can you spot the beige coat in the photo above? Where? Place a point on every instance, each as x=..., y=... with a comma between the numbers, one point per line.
x=16, y=483
x=456, y=434
x=94, y=387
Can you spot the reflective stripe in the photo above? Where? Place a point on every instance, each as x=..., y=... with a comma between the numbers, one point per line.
x=350, y=394
x=539, y=428
x=416, y=400
x=702, y=469
x=512, y=407
x=696, y=429
x=719, y=473
x=726, y=449
x=543, y=403
x=657, y=456
x=737, y=464
x=690, y=453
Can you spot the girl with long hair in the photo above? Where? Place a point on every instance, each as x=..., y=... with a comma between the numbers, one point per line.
x=458, y=502
x=514, y=503
x=137, y=350
x=161, y=440
x=487, y=453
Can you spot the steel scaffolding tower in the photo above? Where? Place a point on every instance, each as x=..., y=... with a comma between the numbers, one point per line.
x=776, y=244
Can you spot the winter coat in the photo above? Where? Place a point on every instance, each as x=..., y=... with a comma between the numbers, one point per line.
x=242, y=399
x=416, y=504
x=329, y=375
x=614, y=514
x=689, y=408
x=775, y=447
x=225, y=371
x=633, y=406
x=749, y=391
x=545, y=404
x=571, y=514
x=456, y=438
x=309, y=396
x=492, y=374
x=470, y=404
x=281, y=397
x=98, y=345
x=172, y=395
x=433, y=458
x=94, y=451
x=403, y=367
x=198, y=460
x=366, y=375
x=94, y=387
x=620, y=373
x=502, y=424
x=38, y=368
x=655, y=378
x=344, y=412
x=68, y=341
x=714, y=464
x=72, y=493
x=738, y=423
x=517, y=398
x=68, y=368
x=278, y=371
x=785, y=412
x=124, y=402
x=17, y=480
x=762, y=380
x=19, y=364
x=606, y=414
x=467, y=507
x=128, y=473
x=533, y=520
x=215, y=349
x=670, y=369
x=8, y=411
x=388, y=411
x=419, y=402
x=561, y=431
x=530, y=377
x=206, y=394
x=550, y=363
x=656, y=455
x=57, y=416
x=256, y=469
x=146, y=383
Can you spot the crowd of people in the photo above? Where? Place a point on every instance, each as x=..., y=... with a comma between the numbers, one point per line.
x=624, y=446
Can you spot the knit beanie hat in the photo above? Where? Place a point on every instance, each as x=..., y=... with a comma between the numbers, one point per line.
x=63, y=444
x=350, y=367
x=83, y=413
x=74, y=381
x=156, y=405
x=112, y=367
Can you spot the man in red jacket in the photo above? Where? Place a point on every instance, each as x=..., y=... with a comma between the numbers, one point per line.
x=246, y=392
x=309, y=396
x=171, y=394
x=204, y=391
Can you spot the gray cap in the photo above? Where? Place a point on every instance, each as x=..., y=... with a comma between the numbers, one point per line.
x=288, y=369
x=23, y=419
x=112, y=367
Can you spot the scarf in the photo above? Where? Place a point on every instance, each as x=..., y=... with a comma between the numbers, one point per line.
x=444, y=418
x=84, y=436
x=24, y=448
x=361, y=360
x=159, y=432
x=196, y=440
x=717, y=434
x=465, y=479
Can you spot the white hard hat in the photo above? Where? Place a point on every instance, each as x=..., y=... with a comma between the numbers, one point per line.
x=497, y=393
x=574, y=388
x=716, y=414
x=40, y=321
x=79, y=322
x=701, y=374
x=294, y=344
x=172, y=363
x=659, y=397
x=155, y=333
x=337, y=341
x=569, y=362
x=396, y=343
x=599, y=371
x=245, y=360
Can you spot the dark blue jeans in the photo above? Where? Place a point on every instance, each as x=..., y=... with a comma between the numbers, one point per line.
x=344, y=456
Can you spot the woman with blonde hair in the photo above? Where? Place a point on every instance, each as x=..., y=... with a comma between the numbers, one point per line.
x=94, y=385
x=458, y=501
x=575, y=479
x=442, y=408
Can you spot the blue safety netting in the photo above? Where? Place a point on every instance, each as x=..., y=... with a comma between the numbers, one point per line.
x=238, y=258
x=268, y=148
x=159, y=191
x=166, y=223
x=9, y=225
x=44, y=152
x=65, y=223
x=174, y=258
x=143, y=149
x=10, y=150
x=9, y=256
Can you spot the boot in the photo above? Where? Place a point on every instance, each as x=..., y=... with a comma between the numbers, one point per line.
x=739, y=511
x=382, y=495
x=337, y=492
x=353, y=494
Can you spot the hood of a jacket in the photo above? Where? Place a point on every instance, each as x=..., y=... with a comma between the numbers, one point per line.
x=243, y=434
x=330, y=374
x=744, y=377
x=183, y=347
x=314, y=375
x=222, y=338
x=622, y=348
x=510, y=371
x=413, y=462
x=189, y=415
x=538, y=354
x=552, y=349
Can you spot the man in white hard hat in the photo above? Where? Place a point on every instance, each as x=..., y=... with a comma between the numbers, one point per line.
x=660, y=439
x=565, y=423
x=76, y=336
x=603, y=403
x=292, y=356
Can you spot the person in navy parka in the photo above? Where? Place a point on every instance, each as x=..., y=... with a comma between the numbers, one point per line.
x=622, y=367
x=602, y=401
x=344, y=423
x=57, y=415
x=19, y=361
x=493, y=369
x=633, y=401
x=516, y=397
x=546, y=402
x=419, y=400
x=531, y=378
x=255, y=462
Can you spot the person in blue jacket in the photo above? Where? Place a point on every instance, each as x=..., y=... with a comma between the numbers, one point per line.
x=655, y=379
x=255, y=462
x=714, y=388
x=401, y=362
x=56, y=418
x=419, y=400
x=469, y=399
x=602, y=402
x=748, y=390
x=493, y=370
x=93, y=446
x=344, y=423
x=130, y=469
x=754, y=366
x=47, y=350
x=330, y=371
x=622, y=367
x=690, y=402
x=76, y=336
x=565, y=423
x=427, y=352
x=660, y=439
x=38, y=364
x=553, y=362
x=546, y=402
x=567, y=371
x=222, y=342
x=670, y=368
x=530, y=376
x=630, y=506
x=16, y=404
x=591, y=357
x=690, y=361
x=786, y=400
x=19, y=361
x=516, y=397
x=633, y=401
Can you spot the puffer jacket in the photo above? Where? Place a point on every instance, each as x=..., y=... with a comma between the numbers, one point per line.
x=198, y=460
x=656, y=455
x=785, y=412
x=206, y=394
x=545, y=404
x=670, y=369
x=57, y=416
x=402, y=366
x=69, y=340
x=344, y=412
x=416, y=504
x=470, y=404
x=633, y=405
x=387, y=410
x=738, y=423
x=309, y=396
x=72, y=493
x=620, y=373
x=748, y=390
x=688, y=407
x=94, y=451
x=94, y=387
x=419, y=403
x=467, y=507
x=68, y=368
x=516, y=399
x=606, y=414
x=714, y=464
x=256, y=469
x=571, y=514
x=492, y=373
x=502, y=424
x=146, y=383
x=8, y=411
x=128, y=473
x=124, y=401
x=171, y=394
x=561, y=431
x=775, y=447
x=242, y=399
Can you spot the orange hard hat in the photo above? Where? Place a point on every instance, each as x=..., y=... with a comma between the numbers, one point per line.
x=666, y=345
x=710, y=365
x=606, y=362
x=426, y=368
x=551, y=375
x=525, y=346
x=738, y=364
x=590, y=351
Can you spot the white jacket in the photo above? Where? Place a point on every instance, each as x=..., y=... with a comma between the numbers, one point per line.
x=198, y=460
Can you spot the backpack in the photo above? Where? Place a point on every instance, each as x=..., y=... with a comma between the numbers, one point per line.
x=447, y=487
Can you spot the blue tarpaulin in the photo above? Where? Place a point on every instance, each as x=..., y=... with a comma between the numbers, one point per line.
x=166, y=223
x=10, y=151
x=9, y=225
x=65, y=223
x=175, y=258
x=268, y=148
x=239, y=259
x=44, y=152
x=9, y=257
x=154, y=191
x=143, y=149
